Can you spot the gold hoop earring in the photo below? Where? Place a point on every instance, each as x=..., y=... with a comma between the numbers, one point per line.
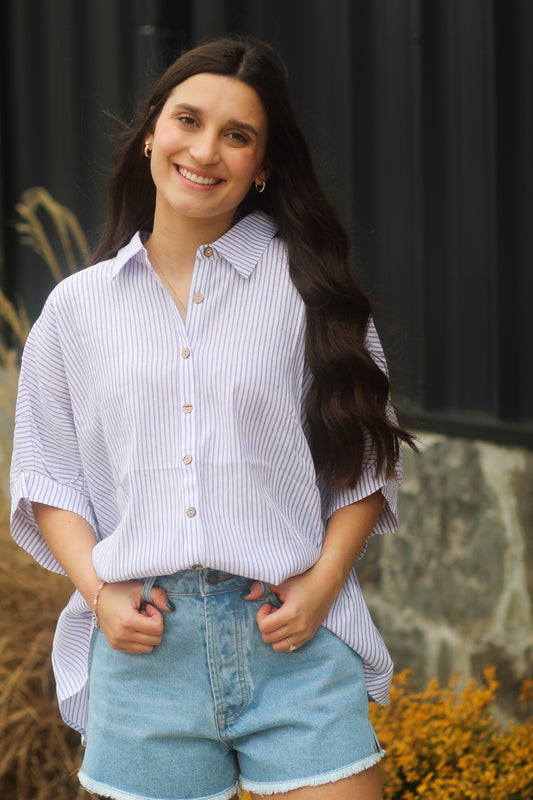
x=147, y=149
x=260, y=187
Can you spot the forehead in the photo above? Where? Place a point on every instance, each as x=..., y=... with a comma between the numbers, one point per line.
x=221, y=95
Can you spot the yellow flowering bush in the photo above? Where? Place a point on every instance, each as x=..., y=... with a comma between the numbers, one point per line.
x=446, y=745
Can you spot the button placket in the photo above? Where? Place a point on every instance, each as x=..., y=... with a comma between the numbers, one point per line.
x=188, y=473
x=188, y=409
x=200, y=273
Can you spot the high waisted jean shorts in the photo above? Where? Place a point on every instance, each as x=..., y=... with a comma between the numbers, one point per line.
x=213, y=708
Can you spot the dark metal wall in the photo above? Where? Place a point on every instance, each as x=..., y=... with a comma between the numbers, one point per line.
x=421, y=118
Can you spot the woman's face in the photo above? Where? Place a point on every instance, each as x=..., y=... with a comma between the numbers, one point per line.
x=208, y=147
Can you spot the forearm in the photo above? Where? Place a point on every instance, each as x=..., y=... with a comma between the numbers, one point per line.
x=71, y=540
x=346, y=533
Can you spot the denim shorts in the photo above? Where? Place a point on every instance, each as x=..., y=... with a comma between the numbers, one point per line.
x=213, y=707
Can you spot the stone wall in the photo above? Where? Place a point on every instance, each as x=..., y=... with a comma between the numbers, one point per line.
x=453, y=589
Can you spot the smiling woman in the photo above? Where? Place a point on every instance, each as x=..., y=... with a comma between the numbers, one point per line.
x=204, y=158
x=204, y=443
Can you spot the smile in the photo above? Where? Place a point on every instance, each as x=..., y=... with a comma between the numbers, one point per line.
x=192, y=176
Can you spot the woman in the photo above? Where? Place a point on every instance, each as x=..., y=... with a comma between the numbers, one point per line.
x=204, y=443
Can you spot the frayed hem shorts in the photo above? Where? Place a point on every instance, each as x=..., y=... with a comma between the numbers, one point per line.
x=213, y=708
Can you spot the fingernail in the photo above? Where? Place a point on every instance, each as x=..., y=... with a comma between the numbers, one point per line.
x=170, y=605
x=246, y=593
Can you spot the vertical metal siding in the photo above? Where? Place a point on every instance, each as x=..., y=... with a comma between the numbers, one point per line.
x=421, y=118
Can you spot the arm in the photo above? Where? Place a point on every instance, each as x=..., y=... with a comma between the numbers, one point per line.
x=126, y=627
x=307, y=598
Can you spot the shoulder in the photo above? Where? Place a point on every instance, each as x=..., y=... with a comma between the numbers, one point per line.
x=86, y=279
x=95, y=283
x=75, y=298
x=374, y=346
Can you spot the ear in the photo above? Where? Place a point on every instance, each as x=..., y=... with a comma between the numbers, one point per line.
x=263, y=175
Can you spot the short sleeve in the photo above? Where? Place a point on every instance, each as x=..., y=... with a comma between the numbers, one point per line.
x=46, y=464
x=370, y=482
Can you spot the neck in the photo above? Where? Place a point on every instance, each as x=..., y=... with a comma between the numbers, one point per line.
x=173, y=245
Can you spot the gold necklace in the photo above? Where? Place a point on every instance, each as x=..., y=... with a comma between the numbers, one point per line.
x=168, y=286
x=166, y=283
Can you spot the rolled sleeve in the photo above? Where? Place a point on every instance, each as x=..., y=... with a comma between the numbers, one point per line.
x=368, y=484
x=46, y=465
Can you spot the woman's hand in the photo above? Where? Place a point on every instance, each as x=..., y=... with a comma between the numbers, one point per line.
x=306, y=599
x=124, y=619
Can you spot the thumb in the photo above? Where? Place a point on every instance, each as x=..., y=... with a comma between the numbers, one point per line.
x=256, y=591
x=160, y=599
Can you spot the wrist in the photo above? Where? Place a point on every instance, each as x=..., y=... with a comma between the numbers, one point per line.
x=332, y=569
x=94, y=608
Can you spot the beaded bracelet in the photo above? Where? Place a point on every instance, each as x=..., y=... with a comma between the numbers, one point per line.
x=96, y=624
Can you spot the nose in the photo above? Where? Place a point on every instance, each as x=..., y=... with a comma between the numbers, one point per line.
x=204, y=149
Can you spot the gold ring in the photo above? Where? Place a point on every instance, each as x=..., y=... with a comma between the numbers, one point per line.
x=291, y=646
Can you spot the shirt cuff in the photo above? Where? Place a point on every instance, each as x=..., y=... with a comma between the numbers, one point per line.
x=30, y=487
x=368, y=484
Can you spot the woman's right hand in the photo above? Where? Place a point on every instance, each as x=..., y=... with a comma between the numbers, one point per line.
x=126, y=622
x=124, y=619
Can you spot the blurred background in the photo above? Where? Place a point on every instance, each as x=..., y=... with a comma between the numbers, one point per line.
x=420, y=117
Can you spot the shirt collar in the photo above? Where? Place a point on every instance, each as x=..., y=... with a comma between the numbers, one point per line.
x=243, y=245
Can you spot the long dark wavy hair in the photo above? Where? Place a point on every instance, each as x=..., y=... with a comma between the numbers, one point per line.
x=349, y=393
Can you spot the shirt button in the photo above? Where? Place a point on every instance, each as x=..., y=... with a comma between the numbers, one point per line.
x=187, y=459
x=208, y=252
x=198, y=298
x=191, y=512
x=187, y=408
x=185, y=353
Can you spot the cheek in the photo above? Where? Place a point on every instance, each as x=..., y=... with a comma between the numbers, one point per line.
x=246, y=165
x=166, y=139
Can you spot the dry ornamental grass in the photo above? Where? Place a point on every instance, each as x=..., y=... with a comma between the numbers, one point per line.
x=38, y=753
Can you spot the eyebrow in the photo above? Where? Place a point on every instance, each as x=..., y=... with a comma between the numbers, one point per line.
x=236, y=123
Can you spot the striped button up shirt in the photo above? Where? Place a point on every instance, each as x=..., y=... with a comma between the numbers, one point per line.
x=182, y=443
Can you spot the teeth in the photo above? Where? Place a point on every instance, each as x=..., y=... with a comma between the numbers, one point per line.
x=196, y=178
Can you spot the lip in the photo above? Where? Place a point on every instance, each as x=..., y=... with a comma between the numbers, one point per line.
x=180, y=168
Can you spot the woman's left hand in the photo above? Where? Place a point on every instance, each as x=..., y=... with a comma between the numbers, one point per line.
x=306, y=599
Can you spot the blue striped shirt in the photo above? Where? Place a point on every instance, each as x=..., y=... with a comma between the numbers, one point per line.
x=182, y=443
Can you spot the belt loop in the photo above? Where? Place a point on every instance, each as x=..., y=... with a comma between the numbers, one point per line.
x=147, y=589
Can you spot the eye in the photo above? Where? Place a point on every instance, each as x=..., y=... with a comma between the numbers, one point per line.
x=186, y=119
x=238, y=137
